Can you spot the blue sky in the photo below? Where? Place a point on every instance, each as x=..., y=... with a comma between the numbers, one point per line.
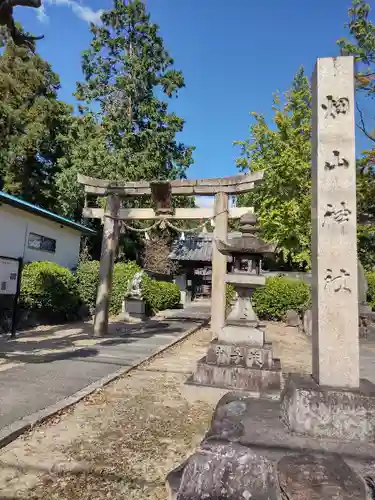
x=234, y=55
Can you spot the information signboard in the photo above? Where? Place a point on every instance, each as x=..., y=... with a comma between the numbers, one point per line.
x=9, y=269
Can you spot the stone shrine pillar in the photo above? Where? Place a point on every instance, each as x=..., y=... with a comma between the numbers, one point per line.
x=333, y=402
x=334, y=226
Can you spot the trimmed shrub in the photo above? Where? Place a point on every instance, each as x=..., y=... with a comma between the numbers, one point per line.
x=280, y=294
x=370, y=276
x=50, y=290
x=160, y=295
x=87, y=276
x=122, y=273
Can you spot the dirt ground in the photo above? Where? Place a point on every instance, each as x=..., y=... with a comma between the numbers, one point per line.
x=121, y=442
x=291, y=346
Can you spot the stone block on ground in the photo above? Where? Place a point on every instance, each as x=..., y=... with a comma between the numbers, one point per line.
x=228, y=471
x=247, y=453
x=345, y=414
x=292, y=318
x=306, y=467
x=307, y=476
x=134, y=308
x=256, y=380
x=370, y=332
x=225, y=424
x=362, y=284
x=307, y=322
x=362, y=332
x=365, y=310
x=366, y=322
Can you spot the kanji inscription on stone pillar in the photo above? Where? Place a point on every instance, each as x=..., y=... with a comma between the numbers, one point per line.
x=334, y=241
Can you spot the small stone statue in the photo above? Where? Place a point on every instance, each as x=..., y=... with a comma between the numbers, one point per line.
x=134, y=286
x=6, y=19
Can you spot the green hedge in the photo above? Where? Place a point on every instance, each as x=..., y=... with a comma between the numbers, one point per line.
x=50, y=290
x=280, y=294
x=87, y=275
x=370, y=276
x=122, y=273
x=57, y=295
x=158, y=295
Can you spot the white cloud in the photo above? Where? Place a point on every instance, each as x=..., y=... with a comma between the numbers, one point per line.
x=81, y=11
x=42, y=15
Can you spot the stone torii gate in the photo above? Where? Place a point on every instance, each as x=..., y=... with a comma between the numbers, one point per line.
x=161, y=193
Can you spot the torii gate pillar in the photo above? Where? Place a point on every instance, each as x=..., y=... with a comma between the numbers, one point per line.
x=219, y=265
x=107, y=259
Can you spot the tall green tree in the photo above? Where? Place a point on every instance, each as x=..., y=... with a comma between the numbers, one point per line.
x=85, y=152
x=283, y=151
x=361, y=45
x=33, y=123
x=129, y=77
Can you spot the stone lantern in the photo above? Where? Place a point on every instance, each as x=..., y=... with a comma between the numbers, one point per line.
x=249, y=249
x=239, y=358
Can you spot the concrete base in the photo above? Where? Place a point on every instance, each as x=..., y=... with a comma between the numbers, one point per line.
x=242, y=367
x=256, y=424
x=242, y=333
x=135, y=308
x=255, y=380
x=316, y=411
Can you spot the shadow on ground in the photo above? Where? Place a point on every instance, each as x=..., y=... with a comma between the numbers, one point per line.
x=43, y=347
x=102, y=474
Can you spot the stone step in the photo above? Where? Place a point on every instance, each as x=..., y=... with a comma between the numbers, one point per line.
x=254, y=380
x=247, y=356
x=201, y=392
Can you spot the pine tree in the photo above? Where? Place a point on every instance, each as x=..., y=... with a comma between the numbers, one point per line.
x=127, y=132
x=126, y=70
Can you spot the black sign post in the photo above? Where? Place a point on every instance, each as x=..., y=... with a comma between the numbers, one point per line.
x=10, y=284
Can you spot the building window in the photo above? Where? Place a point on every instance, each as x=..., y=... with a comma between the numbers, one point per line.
x=38, y=242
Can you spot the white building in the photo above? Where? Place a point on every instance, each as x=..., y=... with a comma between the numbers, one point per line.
x=36, y=234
